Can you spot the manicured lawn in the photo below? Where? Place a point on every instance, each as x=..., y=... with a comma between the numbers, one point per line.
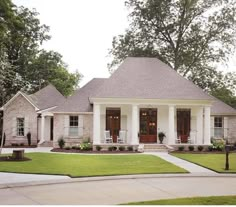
x=212, y=161
x=90, y=165
x=212, y=200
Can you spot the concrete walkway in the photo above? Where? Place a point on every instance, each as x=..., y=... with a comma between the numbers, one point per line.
x=37, y=149
x=190, y=167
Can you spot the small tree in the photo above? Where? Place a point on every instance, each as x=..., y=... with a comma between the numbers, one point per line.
x=61, y=142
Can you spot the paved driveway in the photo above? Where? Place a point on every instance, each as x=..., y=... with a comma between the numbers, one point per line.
x=118, y=191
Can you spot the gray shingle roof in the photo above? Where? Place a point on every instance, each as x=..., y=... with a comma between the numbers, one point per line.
x=79, y=101
x=149, y=78
x=47, y=97
x=221, y=108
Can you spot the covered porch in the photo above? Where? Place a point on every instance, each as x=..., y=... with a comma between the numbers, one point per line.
x=136, y=123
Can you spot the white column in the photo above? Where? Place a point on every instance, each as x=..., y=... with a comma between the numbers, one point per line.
x=199, y=126
x=134, y=124
x=171, y=131
x=42, y=128
x=207, y=125
x=96, y=124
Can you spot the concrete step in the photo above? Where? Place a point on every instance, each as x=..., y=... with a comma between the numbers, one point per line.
x=155, y=148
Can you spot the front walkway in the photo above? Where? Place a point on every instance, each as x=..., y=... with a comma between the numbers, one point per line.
x=190, y=167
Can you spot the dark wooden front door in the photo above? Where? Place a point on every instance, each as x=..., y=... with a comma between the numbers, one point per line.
x=148, y=125
x=183, y=124
x=113, y=122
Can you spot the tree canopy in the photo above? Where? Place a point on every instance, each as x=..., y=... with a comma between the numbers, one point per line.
x=23, y=64
x=191, y=36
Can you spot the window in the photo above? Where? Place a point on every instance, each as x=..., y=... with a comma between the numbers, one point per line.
x=20, y=127
x=218, y=127
x=74, y=125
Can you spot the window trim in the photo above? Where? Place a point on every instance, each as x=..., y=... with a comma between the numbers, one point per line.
x=18, y=127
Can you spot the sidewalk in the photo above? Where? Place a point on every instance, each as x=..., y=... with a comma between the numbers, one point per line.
x=190, y=167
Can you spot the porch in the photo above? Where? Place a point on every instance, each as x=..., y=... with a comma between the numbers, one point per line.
x=181, y=123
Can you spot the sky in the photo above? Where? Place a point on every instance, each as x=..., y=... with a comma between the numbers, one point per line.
x=82, y=32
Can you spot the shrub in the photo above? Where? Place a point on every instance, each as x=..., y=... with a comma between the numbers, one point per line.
x=191, y=148
x=67, y=148
x=130, y=148
x=74, y=147
x=218, y=144
x=98, y=148
x=181, y=148
x=22, y=144
x=110, y=148
x=114, y=148
x=28, y=135
x=61, y=142
x=86, y=146
x=121, y=148
x=200, y=148
x=210, y=148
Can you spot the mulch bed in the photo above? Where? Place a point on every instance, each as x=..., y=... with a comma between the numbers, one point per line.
x=23, y=146
x=10, y=158
x=202, y=152
x=92, y=152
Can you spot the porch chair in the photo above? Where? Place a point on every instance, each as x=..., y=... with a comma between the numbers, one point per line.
x=121, y=137
x=177, y=139
x=108, y=137
x=191, y=138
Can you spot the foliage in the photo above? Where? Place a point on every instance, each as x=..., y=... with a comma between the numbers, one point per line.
x=130, y=148
x=211, y=200
x=161, y=136
x=189, y=36
x=98, y=148
x=121, y=148
x=61, y=142
x=86, y=146
x=191, y=148
x=200, y=148
x=181, y=148
x=29, y=138
x=24, y=66
x=110, y=148
x=90, y=165
x=218, y=144
x=75, y=147
x=212, y=161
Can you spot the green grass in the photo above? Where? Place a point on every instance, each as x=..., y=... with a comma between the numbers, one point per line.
x=212, y=200
x=215, y=162
x=90, y=165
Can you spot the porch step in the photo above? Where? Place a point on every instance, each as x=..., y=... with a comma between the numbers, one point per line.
x=46, y=144
x=156, y=148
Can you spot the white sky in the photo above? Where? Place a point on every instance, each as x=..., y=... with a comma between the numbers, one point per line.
x=82, y=31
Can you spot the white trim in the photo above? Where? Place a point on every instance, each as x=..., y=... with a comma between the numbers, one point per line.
x=129, y=101
x=14, y=97
x=47, y=109
x=82, y=113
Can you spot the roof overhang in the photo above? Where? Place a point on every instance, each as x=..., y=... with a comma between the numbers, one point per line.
x=14, y=97
x=138, y=101
x=82, y=113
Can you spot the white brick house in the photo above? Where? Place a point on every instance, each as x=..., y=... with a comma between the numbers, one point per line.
x=143, y=97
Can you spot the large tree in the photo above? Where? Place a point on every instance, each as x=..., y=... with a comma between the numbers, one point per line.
x=191, y=36
x=24, y=66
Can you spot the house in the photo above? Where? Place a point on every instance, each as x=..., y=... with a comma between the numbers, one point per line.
x=142, y=97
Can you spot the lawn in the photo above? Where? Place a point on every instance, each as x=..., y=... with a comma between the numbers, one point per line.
x=215, y=162
x=212, y=200
x=76, y=165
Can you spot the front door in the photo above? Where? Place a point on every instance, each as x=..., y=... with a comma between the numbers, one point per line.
x=183, y=124
x=113, y=122
x=148, y=125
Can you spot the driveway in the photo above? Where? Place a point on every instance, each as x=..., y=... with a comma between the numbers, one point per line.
x=116, y=191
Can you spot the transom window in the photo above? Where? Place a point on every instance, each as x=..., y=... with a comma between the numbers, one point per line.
x=20, y=127
x=73, y=127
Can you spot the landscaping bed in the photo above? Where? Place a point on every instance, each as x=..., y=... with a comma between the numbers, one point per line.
x=93, y=151
x=10, y=158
